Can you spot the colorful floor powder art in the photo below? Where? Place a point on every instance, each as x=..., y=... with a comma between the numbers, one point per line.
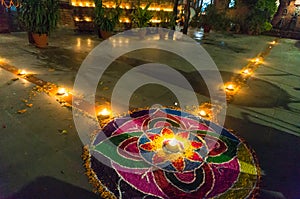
x=166, y=153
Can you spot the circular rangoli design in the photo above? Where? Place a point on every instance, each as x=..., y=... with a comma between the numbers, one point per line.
x=166, y=153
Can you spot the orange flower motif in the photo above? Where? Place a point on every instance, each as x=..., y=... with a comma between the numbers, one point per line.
x=175, y=148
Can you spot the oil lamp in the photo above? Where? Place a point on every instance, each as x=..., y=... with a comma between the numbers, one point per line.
x=230, y=87
x=172, y=146
x=246, y=72
x=22, y=72
x=105, y=113
x=203, y=113
x=62, y=91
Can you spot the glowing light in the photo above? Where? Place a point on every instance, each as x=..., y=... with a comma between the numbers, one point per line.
x=257, y=60
x=273, y=42
x=172, y=146
x=124, y=20
x=77, y=19
x=62, y=91
x=88, y=19
x=89, y=41
x=104, y=112
x=175, y=103
x=230, y=87
x=168, y=9
x=203, y=113
x=22, y=72
x=73, y=4
x=246, y=72
x=155, y=20
x=78, y=44
x=80, y=4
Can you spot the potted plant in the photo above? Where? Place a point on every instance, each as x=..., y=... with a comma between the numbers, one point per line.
x=106, y=19
x=39, y=18
x=141, y=17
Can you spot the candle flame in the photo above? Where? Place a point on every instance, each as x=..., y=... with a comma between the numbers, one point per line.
x=230, y=87
x=104, y=112
x=22, y=72
x=246, y=72
x=62, y=91
x=203, y=113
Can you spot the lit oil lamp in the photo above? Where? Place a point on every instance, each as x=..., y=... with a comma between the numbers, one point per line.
x=230, y=87
x=172, y=146
x=62, y=91
x=256, y=60
x=246, y=72
x=105, y=113
x=203, y=113
x=22, y=72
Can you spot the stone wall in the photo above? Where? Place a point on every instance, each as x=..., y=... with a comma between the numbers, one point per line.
x=66, y=16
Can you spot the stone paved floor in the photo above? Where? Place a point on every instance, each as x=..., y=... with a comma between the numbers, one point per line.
x=36, y=158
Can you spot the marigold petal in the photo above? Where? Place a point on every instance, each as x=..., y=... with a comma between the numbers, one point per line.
x=195, y=157
x=196, y=145
x=179, y=164
x=152, y=136
x=166, y=131
x=147, y=147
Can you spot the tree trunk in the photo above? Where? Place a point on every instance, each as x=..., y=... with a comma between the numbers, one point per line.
x=277, y=17
x=175, y=11
x=200, y=6
x=187, y=17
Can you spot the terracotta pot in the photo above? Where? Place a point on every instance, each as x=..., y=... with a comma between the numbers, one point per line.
x=40, y=40
x=105, y=34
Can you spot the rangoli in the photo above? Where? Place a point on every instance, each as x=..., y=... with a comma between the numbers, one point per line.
x=166, y=153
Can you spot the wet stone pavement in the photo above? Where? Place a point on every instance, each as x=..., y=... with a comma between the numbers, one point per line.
x=40, y=148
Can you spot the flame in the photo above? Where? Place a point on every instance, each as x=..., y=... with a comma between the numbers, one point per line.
x=203, y=113
x=22, y=72
x=104, y=112
x=62, y=91
x=230, y=87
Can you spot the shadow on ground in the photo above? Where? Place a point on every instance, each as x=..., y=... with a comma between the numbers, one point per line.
x=278, y=157
x=50, y=188
x=255, y=93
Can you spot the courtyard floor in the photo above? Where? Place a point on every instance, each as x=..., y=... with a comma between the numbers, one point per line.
x=40, y=147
